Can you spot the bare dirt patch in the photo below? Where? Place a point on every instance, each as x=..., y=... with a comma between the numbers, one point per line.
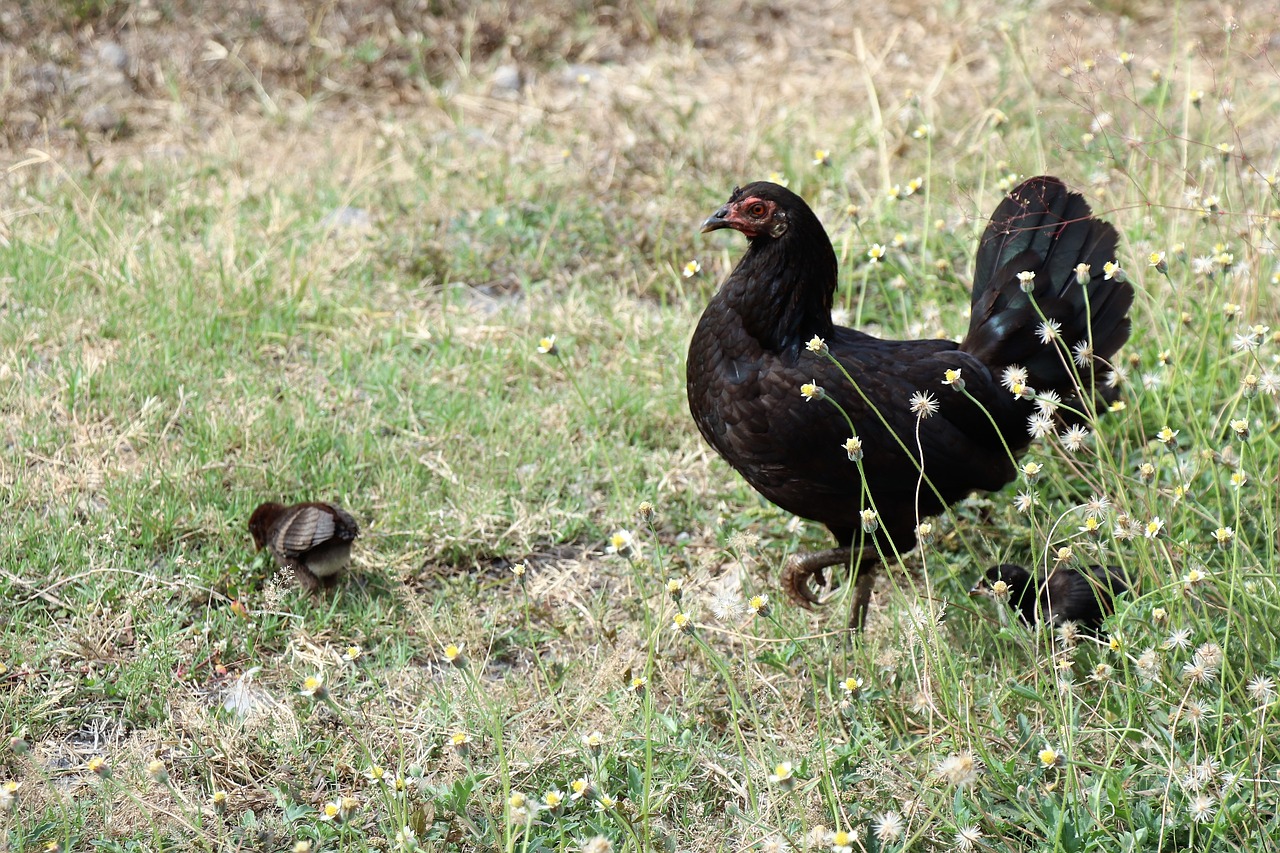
x=107, y=77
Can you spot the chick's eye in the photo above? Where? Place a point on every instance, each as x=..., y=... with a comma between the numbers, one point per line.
x=756, y=210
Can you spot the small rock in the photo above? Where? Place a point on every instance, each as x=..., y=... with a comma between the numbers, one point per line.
x=169, y=152
x=347, y=218
x=90, y=506
x=103, y=118
x=287, y=24
x=45, y=80
x=113, y=56
x=98, y=82
x=507, y=79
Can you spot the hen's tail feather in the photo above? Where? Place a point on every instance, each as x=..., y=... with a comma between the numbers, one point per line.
x=1043, y=228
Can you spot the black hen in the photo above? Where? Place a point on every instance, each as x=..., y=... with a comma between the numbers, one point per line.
x=311, y=539
x=748, y=360
x=1083, y=596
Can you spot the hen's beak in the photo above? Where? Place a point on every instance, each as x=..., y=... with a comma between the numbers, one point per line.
x=980, y=589
x=717, y=220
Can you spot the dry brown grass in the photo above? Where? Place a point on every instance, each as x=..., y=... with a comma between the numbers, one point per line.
x=280, y=88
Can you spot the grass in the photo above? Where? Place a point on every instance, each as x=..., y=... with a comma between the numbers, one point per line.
x=185, y=339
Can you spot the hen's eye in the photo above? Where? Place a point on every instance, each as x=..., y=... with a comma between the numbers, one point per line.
x=756, y=210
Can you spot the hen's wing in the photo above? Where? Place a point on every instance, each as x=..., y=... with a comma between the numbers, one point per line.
x=792, y=450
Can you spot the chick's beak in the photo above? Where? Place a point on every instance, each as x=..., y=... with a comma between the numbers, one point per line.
x=717, y=220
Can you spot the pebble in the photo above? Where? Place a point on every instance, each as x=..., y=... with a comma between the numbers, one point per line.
x=507, y=79
x=113, y=55
x=347, y=218
x=103, y=118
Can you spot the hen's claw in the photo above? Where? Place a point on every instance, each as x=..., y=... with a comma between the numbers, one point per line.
x=797, y=579
x=801, y=569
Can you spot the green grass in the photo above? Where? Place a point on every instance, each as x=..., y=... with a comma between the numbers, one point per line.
x=183, y=341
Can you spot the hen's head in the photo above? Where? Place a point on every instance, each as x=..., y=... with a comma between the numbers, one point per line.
x=761, y=209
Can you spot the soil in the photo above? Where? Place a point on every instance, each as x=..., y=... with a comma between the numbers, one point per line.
x=88, y=84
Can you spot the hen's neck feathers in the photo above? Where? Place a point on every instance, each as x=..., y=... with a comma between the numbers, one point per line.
x=782, y=289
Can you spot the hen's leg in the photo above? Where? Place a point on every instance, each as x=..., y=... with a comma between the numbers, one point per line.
x=862, y=595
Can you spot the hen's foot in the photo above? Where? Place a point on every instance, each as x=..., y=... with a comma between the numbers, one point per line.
x=802, y=570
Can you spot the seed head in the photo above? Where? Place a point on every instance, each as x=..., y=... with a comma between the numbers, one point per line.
x=960, y=769
x=888, y=827
x=923, y=405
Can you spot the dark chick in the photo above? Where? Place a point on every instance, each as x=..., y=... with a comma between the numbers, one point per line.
x=748, y=359
x=312, y=539
x=1084, y=596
